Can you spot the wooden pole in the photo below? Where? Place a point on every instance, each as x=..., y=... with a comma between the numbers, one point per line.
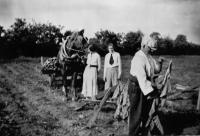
x=98, y=109
x=198, y=101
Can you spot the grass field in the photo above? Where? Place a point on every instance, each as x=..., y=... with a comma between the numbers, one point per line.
x=28, y=106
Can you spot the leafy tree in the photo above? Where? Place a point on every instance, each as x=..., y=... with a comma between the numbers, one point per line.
x=164, y=46
x=2, y=31
x=181, y=38
x=2, y=35
x=16, y=37
x=105, y=37
x=181, y=44
x=67, y=33
x=132, y=42
x=36, y=39
x=33, y=39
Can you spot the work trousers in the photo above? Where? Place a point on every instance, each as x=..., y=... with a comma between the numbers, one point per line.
x=139, y=108
x=111, y=77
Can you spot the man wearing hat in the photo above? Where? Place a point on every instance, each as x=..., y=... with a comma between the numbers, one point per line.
x=141, y=88
x=112, y=67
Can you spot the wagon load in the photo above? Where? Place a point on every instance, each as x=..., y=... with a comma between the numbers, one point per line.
x=50, y=66
x=122, y=100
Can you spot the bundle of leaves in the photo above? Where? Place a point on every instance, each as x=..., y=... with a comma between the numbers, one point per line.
x=50, y=66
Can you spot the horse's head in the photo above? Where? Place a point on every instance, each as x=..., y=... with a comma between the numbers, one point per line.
x=76, y=42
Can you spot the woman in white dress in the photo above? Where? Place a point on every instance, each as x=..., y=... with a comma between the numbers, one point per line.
x=90, y=87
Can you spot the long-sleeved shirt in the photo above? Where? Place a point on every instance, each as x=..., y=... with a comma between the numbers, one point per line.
x=94, y=59
x=116, y=63
x=143, y=67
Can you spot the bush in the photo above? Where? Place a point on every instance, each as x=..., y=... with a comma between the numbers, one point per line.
x=37, y=39
x=30, y=39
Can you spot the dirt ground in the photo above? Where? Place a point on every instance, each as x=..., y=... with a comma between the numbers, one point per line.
x=29, y=107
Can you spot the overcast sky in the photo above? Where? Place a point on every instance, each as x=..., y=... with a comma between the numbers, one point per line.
x=169, y=17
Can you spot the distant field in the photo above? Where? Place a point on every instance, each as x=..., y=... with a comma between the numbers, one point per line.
x=185, y=69
x=28, y=106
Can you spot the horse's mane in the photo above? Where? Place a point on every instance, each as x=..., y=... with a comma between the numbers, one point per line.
x=72, y=40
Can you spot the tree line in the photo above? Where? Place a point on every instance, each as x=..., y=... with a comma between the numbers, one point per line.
x=38, y=39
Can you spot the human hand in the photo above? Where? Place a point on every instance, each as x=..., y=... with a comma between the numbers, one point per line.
x=119, y=78
x=161, y=59
x=157, y=87
x=153, y=95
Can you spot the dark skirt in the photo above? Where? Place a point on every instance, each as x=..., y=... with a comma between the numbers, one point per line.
x=139, y=108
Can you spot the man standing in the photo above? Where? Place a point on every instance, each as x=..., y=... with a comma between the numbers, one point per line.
x=112, y=67
x=141, y=88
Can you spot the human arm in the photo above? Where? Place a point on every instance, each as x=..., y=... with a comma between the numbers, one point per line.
x=99, y=62
x=87, y=59
x=105, y=67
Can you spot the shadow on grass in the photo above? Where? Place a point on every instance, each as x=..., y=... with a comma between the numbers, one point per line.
x=175, y=123
x=19, y=59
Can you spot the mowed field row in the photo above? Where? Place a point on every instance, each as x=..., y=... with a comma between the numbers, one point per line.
x=30, y=107
x=26, y=90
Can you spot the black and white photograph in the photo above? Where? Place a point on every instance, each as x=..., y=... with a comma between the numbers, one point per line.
x=99, y=67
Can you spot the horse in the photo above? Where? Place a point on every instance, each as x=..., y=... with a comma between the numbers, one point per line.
x=71, y=57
